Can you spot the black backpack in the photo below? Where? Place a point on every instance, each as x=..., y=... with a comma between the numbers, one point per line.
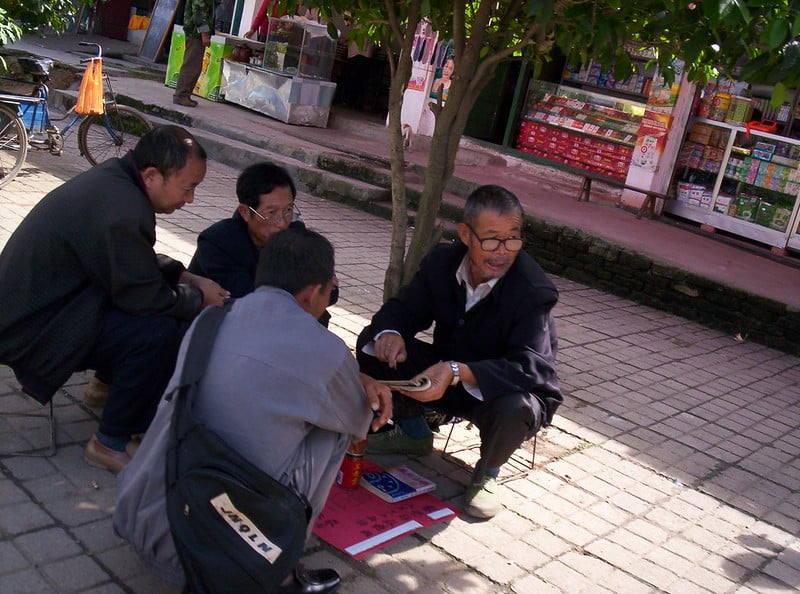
x=236, y=529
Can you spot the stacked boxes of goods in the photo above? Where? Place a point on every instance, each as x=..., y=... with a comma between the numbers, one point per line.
x=693, y=194
x=577, y=133
x=704, y=148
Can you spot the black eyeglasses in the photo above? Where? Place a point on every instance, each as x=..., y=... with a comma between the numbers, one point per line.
x=492, y=244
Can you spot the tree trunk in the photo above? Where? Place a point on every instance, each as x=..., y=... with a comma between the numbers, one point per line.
x=400, y=75
x=451, y=119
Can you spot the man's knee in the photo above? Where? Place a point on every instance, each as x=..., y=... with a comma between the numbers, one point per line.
x=141, y=337
x=519, y=412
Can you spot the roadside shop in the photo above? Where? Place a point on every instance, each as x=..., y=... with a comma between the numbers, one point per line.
x=727, y=159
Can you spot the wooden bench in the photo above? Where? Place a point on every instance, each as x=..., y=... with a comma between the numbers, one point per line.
x=649, y=203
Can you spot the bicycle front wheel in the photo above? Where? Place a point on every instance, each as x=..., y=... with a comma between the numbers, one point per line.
x=13, y=144
x=112, y=133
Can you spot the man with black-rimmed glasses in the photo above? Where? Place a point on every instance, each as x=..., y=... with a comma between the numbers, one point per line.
x=492, y=360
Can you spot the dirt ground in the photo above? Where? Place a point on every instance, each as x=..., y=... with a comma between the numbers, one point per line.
x=14, y=80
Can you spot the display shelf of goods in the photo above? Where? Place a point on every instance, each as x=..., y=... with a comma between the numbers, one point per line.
x=740, y=181
x=580, y=130
x=594, y=77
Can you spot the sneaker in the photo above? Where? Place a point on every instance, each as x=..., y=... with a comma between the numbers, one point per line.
x=100, y=456
x=395, y=441
x=480, y=500
x=96, y=394
x=185, y=101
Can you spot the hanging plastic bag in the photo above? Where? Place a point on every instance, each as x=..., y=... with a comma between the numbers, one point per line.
x=90, y=95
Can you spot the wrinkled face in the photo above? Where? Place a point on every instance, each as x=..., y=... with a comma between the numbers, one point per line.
x=274, y=213
x=168, y=194
x=485, y=265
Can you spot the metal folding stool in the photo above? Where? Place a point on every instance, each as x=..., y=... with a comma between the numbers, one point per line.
x=51, y=421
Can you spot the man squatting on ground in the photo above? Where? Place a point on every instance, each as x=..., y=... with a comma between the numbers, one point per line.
x=492, y=360
x=228, y=250
x=279, y=388
x=81, y=287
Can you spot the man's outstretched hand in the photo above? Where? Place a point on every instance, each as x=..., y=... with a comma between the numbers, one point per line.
x=379, y=397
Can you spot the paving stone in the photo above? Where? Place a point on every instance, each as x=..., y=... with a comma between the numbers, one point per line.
x=27, y=580
x=50, y=544
x=23, y=517
x=10, y=558
x=76, y=573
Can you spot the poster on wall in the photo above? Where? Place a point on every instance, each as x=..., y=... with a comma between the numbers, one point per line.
x=651, y=140
x=663, y=96
x=445, y=62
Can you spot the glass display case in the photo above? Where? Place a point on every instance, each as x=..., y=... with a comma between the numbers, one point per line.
x=739, y=180
x=290, y=81
x=299, y=49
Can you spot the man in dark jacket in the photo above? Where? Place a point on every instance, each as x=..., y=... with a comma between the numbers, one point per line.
x=492, y=360
x=198, y=26
x=228, y=250
x=81, y=287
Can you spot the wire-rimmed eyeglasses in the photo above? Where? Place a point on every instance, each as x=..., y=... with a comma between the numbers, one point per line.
x=492, y=244
x=290, y=213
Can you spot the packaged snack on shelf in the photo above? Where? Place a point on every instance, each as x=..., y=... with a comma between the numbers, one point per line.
x=765, y=213
x=780, y=219
x=746, y=207
x=723, y=203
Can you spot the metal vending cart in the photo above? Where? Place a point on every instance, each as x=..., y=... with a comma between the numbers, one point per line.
x=291, y=81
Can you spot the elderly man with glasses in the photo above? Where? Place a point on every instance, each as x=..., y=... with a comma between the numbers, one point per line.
x=228, y=250
x=492, y=359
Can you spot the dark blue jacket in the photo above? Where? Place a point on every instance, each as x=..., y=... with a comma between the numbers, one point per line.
x=508, y=339
x=227, y=255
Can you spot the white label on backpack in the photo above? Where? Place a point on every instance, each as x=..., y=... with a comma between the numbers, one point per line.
x=246, y=528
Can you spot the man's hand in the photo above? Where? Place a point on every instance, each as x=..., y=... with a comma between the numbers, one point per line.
x=441, y=375
x=206, y=39
x=390, y=348
x=249, y=34
x=379, y=397
x=213, y=294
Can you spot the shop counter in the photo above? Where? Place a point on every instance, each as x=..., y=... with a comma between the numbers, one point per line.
x=280, y=95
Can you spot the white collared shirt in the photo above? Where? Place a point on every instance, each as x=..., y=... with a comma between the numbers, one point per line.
x=473, y=295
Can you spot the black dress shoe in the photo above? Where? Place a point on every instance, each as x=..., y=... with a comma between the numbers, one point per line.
x=312, y=581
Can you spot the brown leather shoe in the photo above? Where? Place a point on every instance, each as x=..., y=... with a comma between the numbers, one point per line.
x=100, y=456
x=185, y=101
x=96, y=394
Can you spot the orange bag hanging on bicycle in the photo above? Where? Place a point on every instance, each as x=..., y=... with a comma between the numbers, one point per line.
x=90, y=95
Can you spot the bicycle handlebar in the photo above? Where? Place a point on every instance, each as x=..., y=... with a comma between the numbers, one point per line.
x=99, y=51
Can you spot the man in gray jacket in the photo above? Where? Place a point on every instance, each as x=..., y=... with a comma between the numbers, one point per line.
x=81, y=287
x=279, y=388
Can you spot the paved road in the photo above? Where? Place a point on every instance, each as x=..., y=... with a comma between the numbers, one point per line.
x=672, y=467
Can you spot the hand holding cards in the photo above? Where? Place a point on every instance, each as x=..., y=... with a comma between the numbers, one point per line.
x=419, y=384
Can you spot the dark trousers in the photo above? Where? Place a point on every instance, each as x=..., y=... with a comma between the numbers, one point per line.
x=136, y=356
x=190, y=69
x=504, y=422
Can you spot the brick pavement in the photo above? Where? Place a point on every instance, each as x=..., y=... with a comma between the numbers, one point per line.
x=672, y=467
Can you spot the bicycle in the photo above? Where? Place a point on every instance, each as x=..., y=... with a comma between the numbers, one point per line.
x=26, y=122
